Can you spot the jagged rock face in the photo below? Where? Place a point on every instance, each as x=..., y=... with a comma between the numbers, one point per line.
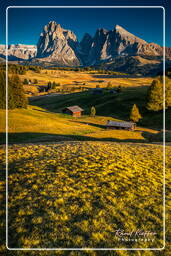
x=114, y=49
x=58, y=45
x=97, y=46
x=85, y=46
x=18, y=51
x=107, y=45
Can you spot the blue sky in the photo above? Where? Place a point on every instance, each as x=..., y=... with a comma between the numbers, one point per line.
x=25, y=25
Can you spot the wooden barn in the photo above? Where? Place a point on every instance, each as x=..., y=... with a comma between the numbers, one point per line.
x=75, y=111
x=120, y=125
x=97, y=90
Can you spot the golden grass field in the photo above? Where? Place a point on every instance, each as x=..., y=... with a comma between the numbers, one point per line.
x=35, y=124
x=77, y=194
x=36, y=121
x=89, y=78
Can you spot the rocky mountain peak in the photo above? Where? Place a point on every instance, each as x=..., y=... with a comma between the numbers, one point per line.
x=18, y=52
x=120, y=29
x=123, y=33
x=57, y=44
x=101, y=31
x=60, y=46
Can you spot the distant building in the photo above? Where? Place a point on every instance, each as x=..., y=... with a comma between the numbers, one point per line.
x=112, y=91
x=120, y=125
x=75, y=111
x=97, y=90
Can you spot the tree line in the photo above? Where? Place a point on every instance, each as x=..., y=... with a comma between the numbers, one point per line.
x=155, y=100
x=19, y=69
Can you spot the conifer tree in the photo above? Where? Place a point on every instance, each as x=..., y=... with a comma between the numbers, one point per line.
x=155, y=96
x=2, y=90
x=168, y=93
x=93, y=112
x=16, y=95
x=135, y=115
x=25, y=81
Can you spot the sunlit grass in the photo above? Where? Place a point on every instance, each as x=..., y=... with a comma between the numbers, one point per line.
x=91, y=79
x=79, y=194
x=37, y=124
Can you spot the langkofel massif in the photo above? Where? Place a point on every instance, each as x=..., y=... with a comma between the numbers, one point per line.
x=115, y=49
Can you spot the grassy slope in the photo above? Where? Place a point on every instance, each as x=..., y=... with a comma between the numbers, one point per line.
x=117, y=106
x=62, y=195
x=42, y=121
x=36, y=124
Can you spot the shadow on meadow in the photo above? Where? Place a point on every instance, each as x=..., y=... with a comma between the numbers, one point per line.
x=27, y=137
x=116, y=76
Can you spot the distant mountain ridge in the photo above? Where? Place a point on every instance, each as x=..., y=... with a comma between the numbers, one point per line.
x=115, y=49
x=18, y=51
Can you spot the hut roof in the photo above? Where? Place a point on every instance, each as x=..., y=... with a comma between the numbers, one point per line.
x=75, y=109
x=119, y=124
x=97, y=89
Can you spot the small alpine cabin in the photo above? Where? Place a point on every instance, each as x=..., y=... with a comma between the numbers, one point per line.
x=97, y=90
x=75, y=111
x=120, y=125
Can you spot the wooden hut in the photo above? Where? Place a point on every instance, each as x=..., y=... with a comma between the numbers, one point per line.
x=97, y=91
x=73, y=110
x=120, y=125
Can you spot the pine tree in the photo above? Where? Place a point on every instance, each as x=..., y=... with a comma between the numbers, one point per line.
x=168, y=93
x=155, y=96
x=119, y=89
x=35, y=81
x=49, y=86
x=135, y=115
x=16, y=95
x=53, y=86
x=93, y=112
x=109, y=85
x=2, y=90
x=25, y=81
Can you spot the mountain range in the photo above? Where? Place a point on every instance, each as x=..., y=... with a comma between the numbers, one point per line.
x=115, y=49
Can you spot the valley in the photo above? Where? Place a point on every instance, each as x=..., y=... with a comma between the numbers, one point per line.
x=44, y=121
